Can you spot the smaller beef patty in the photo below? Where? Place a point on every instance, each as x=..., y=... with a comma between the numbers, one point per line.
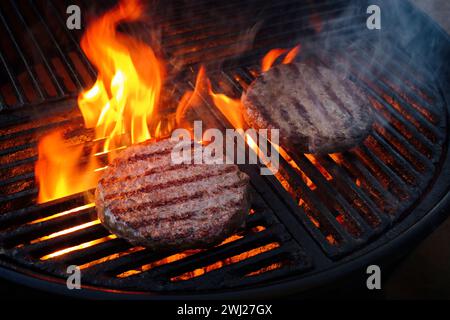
x=146, y=199
x=316, y=109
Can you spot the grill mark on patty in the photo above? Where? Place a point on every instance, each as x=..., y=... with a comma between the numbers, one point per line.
x=287, y=117
x=359, y=99
x=284, y=113
x=317, y=103
x=261, y=109
x=356, y=92
x=293, y=67
x=141, y=156
x=185, y=229
x=320, y=94
x=177, y=200
x=144, y=156
x=171, y=183
x=219, y=197
x=276, y=72
x=190, y=215
x=147, y=221
x=160, y=169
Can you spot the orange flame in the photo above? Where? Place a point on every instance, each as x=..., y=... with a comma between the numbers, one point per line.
x=291, y=55
x=270, y=57
x=228, y=261
x=57, y=163
x=319, y=167
x=121, y=105
x=230, y=108
x=126, y=93
x=191, y=98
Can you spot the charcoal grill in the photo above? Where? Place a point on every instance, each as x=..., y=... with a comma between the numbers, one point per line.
x=340, y=213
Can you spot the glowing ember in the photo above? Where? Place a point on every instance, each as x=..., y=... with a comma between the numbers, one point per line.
x=169, y=259
x=173, y=258
x=228, y=261
x=111, y=257
x=66, y=231
x=273, y=266
x=296, y=167
x=319, y=167
x=337, y=157
x=314, y=221
x=57, y=215
x=78, y=247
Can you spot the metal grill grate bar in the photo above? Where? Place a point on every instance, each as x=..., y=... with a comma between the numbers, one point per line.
x=27, y=65
x=73, y=74
x=55, y=82
x=371, y=185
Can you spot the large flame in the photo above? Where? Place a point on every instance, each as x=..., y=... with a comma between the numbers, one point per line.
x=121, y=105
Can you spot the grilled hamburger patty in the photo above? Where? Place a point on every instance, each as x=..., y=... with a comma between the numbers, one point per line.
x=315, y=109
x=146, y=199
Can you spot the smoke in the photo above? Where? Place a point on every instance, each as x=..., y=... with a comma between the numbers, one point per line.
x=208, y=36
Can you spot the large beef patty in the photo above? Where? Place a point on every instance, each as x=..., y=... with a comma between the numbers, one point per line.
x=146, y=199
x=316, y=109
